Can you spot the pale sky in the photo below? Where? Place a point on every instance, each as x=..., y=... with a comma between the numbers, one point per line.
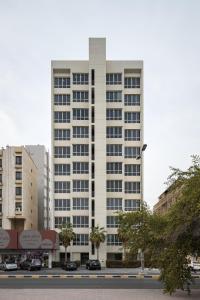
x=165, y=34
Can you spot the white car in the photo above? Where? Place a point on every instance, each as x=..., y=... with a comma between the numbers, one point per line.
x=9, y=266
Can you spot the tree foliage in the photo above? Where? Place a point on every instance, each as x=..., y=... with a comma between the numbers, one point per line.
x=66, y=235
x=97, y=236
x=168, y=240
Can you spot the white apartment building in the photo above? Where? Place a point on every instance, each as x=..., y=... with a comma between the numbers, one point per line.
x=18, y=189
x=40, y=157
x=97, y=136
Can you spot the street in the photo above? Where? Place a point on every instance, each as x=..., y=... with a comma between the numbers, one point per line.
x=83, y=283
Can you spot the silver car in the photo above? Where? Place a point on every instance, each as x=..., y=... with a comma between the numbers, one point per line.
x=9, y=266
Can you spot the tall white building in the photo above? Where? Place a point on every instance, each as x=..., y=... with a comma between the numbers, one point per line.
x=97, y=135
x=40, y=156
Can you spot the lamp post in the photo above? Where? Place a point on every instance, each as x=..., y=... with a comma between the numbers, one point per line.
x=140, y=252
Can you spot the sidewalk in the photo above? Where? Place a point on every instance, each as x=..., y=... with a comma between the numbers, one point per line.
x=94, y=294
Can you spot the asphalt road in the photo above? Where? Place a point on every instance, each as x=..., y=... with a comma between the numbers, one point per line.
x=82, y=283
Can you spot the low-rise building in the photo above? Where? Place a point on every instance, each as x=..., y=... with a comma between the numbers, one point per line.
x=18, y=189
x=166, y=199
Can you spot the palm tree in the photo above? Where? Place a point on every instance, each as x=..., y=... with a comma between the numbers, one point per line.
x=66, y=236
x=97, y=236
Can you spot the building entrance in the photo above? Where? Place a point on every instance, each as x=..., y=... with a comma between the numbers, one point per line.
x=84, y=258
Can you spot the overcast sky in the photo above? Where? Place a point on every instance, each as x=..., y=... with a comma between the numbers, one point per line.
x=163, y=33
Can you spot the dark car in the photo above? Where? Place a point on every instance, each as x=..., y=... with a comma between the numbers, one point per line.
x=93, y=264
x=69, y=266
x=31, y=264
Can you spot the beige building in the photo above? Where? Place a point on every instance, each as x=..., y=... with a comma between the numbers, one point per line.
x=18, y=189
x=166, y=200
x=97, y=135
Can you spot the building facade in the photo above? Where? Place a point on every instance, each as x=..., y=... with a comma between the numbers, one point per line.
x=40, y=157
x=167, y=199
x=97, y=135
x=18, y=189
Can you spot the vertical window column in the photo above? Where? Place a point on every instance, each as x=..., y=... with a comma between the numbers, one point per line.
x=93, y=148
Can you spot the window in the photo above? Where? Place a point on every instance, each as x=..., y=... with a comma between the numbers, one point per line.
x=132, y=187
x=132, y=170
x=114, y=132
x=113, y=114
x=18, y=160
x=80, y=96
x=0, y=178
x=80, y=203
x=80, y=221
x=62, y=187
x=61, y=134
x=0, y=208
x=81, y=240
x=62, y=99
x=114, y=96
x=80, y=185
x=80, y=114
x=0, y=223
x=62, y=204
x=132, y=205
x=113, y=78
x=18, y=206
x=18, y=175
x=61, y=221
x=62, y=117
x=114, y=167
x=113, y=240
x=114, y=150
x=81, y=150
x=80, y=167
x=61, y=82
x=80, y=78
x=131, y=99
x=92, y=76
x=132, y=117
x=114, y=185
x=112, y=221
x=132, y=152
x=18, y=191
x=61, y=152
x=0, y=193
x=114, y=203
x=80, y=132
x=132, y=134
x=62, y=169
x=132, y=82
x=0, y=162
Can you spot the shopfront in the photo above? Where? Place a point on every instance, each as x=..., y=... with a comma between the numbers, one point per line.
x=20, y=245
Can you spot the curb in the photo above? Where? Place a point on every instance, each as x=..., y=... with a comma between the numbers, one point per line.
x=123, y=276
x=108, y=276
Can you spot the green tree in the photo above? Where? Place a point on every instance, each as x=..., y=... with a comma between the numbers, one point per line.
x=97, y=236
x=66, y=235
x=170, y=239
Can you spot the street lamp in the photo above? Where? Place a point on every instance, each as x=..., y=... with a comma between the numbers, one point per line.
x=141, y=187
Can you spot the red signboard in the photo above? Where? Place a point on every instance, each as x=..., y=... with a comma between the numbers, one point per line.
x=29, y=239
x=8, y=239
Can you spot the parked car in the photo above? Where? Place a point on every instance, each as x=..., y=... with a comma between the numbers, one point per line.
x=93, y=264
x=9, y=266
x=31, y=264
x=1, y=266
x=69, y=266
